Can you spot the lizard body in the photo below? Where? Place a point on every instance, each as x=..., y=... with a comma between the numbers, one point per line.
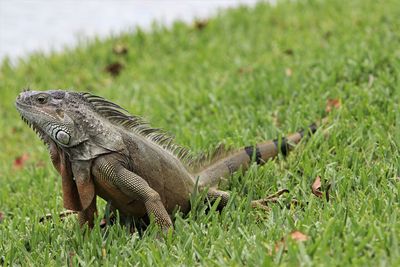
x=99, y=149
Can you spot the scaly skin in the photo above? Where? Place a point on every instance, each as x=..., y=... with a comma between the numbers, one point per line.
x=101, y=150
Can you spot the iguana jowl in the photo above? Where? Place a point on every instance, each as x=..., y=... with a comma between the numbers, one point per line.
x=99, y=149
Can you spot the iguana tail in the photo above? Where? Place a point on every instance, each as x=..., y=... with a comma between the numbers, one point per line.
x=260, y=153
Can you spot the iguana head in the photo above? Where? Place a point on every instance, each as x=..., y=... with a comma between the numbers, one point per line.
x=77, y=122
x=53, y=114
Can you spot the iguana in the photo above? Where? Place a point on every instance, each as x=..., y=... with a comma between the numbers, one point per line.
x=99, y=149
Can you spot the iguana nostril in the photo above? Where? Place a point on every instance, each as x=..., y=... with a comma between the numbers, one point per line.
x=21, y=97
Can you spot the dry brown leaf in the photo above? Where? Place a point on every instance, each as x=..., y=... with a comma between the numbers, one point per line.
x=114, y=68
x=280, y=244
x=327, y=34
x=332, y=104
x=120, y=49
x=295, y=235
x=1, y=216
x=298, y=236
x=288, y=72
x=20, y=161
x=200, y=24
x=289, y=52
x=316, y=187
x=244, y=70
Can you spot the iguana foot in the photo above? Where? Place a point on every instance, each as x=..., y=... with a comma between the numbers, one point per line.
x=62, y=215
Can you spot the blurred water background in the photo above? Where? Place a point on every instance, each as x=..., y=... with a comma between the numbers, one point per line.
x=30, y=25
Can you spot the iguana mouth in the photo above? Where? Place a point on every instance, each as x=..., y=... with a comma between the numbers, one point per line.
x=31, y=125
x=22, y=108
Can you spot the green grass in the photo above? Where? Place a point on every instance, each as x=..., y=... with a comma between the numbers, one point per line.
x=228, y=83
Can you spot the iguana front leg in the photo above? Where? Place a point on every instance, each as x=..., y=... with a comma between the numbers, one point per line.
x=132, y=185
x=86, y=216
x=86, y=190
x=63, y=167
x=70, y=192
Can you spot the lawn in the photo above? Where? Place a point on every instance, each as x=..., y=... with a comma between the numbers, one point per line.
x=246, y=75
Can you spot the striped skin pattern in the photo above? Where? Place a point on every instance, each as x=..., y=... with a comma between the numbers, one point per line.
x=260, y=154
x=99, y=149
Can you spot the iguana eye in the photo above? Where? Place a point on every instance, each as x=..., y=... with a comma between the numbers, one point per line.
x=42, y=99
x=63, y=137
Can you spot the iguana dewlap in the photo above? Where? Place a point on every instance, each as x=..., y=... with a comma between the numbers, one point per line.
x=100, y=149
